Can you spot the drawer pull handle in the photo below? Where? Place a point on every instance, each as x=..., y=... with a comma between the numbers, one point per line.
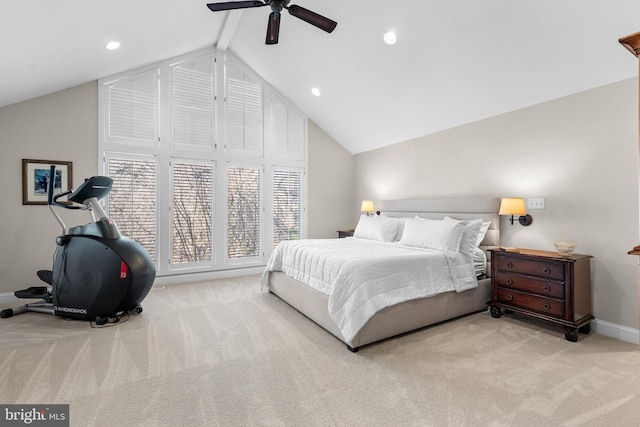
x=510, y=264
x=546, y=288
x=509, y=297
x=547, y=306
x=546, y=270
x=509, y=282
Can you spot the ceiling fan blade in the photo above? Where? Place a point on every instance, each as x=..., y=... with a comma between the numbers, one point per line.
x=229, y=5
x=312, y=18
x=273, y=29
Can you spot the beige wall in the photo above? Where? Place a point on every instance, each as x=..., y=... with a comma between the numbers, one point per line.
x=579, y=152
x=63, y=126
x=330, y=185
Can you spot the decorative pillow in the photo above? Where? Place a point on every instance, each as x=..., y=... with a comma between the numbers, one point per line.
x=379, y=228
x=439, y=234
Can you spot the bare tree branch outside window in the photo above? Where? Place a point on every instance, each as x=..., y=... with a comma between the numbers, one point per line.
x=244, y=213
x=192, y=219
x=132, y=200
x=287, y=205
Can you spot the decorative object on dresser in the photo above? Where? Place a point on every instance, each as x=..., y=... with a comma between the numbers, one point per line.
x=345, y=233
x=544, y=285
x=565, y=247
x=515, y=206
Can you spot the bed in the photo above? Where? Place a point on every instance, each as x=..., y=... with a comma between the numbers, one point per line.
x=418, y=308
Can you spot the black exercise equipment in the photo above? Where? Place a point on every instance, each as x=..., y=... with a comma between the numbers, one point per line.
x=98, y=275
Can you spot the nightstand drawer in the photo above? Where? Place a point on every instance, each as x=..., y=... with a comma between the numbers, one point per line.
x=531, y=302
x=546, y=269
x=531, y=285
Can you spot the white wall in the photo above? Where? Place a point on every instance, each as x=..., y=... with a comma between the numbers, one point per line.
x=579, y=152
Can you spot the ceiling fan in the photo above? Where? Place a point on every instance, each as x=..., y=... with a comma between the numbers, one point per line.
x=273, y=27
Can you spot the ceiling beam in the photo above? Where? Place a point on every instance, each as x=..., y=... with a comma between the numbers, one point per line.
x=229, y=27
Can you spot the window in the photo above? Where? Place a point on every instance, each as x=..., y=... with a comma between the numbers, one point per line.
x=287, y=205
x=132, y=200
x=192, y=103
x=132, y=113
x=244, y=112
x=192, y=220
x=288, y=131
x=194, y=204
x=244, y=211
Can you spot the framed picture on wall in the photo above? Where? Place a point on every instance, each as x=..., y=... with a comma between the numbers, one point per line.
x=35, y=179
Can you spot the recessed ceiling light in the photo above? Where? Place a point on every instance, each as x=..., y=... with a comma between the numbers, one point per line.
x=390, y=37
x=315, y=91
x=112, y=45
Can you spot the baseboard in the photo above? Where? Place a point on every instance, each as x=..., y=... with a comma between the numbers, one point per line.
x=173, y=279
x=7, y=297
x=623, y=333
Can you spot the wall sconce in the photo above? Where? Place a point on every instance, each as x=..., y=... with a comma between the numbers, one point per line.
x=367, y=206
x=515, y=206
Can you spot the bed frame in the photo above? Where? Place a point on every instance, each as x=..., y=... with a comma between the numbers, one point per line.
x=414, y=314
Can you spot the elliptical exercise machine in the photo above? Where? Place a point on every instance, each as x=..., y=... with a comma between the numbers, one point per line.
x=97, y=274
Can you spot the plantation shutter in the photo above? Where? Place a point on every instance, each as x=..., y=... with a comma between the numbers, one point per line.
x=132, y=200
x=132, y=110
x=244, y=112
x=192, y=220
x=192, y=103
x=287, y=205
x=288, y=131
x=244, y=214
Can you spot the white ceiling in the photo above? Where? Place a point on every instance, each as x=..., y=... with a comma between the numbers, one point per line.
x=455, y=62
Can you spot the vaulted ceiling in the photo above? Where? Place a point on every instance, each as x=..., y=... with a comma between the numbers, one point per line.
x=455, y=61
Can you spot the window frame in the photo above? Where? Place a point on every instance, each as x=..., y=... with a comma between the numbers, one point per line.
x=166, y=152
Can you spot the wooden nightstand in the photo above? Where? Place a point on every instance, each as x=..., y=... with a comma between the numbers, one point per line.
x=345, y=233
x=544, y=285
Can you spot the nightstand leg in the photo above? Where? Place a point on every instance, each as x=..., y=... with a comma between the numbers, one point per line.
x=496, y=312
x=571, y=334
x=585, y=329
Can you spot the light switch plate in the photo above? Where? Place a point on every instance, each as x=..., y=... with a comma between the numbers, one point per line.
x=537, y=203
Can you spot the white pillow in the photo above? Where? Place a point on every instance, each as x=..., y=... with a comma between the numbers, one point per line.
x=470, y=232
x=475, y=230
x=378, y=228
x=439, y=234
x=483, y=231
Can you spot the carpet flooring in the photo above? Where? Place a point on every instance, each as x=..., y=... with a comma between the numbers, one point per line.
x=225, y=353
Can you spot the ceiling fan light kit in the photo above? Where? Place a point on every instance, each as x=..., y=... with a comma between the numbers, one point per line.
x=273, y=26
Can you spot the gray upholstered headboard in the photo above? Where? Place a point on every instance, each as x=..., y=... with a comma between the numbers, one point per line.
x=485, y=207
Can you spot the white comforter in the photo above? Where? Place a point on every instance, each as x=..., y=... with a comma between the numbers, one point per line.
x=361, y=277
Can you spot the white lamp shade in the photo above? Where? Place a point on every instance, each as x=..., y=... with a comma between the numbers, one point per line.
x=512, y=206
x=367, y=206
